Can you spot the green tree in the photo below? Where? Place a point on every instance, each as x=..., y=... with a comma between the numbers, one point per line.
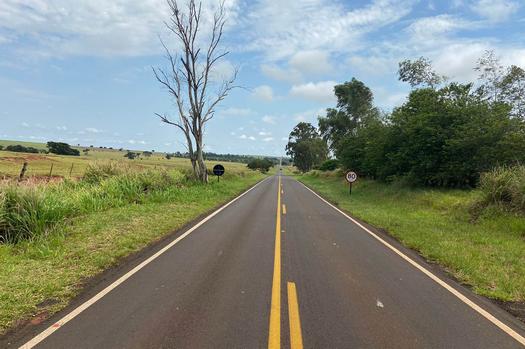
x=306, y=148
x=262, y=165
x=62, y=149
x=354, y=103
x=131, y=155
x=419, y=73
x=491, y=73
x=513, y=90
x=329, y=165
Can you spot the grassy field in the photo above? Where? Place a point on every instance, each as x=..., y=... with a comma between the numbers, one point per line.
x=40, y=164
x=487, y=252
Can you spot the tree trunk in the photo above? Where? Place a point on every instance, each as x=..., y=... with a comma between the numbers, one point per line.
x=202, y=171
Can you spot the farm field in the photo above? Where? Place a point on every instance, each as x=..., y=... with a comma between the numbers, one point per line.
x=40, y=164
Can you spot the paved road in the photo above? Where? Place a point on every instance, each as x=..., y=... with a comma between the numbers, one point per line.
x=282, y=268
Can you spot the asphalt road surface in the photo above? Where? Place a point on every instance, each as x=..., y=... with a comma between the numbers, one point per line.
x=279, y=267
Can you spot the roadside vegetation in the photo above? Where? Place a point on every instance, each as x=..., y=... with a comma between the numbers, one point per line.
x=445, y=134
x=482, y=246
x=443, y=172
x=54, y=235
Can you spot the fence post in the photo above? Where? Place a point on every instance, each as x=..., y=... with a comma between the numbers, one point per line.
x=71, y=169
x=50, y=171
x=23, y=171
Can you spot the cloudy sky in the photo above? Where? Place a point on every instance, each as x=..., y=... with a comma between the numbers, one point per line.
x=80, y=71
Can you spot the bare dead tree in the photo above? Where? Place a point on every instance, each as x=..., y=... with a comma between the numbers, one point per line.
x=188, y=78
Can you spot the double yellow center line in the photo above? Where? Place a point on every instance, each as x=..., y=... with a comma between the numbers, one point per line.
x=274, y=338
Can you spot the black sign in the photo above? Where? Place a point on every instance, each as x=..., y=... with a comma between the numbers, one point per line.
x=218, y=170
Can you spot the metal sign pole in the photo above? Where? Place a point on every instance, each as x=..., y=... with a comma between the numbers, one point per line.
x=350, y=188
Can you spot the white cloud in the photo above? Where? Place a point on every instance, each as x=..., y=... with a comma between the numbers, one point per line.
x=373, y=64
x=133, y=141
x=243, y=136
x=308, y=115
x=268, y=139
x=301, y=65
x=322, y=91
x=426, y=30
x=275, y=72
x=61, y=128
x=495, y=10
x=311, y=62
x=263, y=92
x=280, y=29
x=268, y=119
x=232, y=111
x=93, y=130
x=92, y=27
x=263, y=133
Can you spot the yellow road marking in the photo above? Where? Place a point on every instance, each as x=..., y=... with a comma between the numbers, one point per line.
x=296, y=337
x=284, y=209
x=274, y=338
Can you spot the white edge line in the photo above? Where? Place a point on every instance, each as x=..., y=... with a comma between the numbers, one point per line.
x=428, y=273
x=57, y=325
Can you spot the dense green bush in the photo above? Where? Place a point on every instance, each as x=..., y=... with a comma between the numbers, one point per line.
x=262, y=165
x=60, y=148
x=329, y=165
x=29, y=212
x=21, y=149
x=504, y=186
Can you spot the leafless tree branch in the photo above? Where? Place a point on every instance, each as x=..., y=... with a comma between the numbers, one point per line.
x=188, y=78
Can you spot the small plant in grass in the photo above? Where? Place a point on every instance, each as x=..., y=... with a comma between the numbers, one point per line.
x=504, y=186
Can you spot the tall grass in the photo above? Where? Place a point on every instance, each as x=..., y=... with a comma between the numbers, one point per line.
x=504, y=186
x=28, y=212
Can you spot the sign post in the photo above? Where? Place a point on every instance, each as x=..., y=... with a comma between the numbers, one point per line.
x=351, y=177
x=218, y=170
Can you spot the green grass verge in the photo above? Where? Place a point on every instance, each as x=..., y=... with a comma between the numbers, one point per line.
x=51, y=270
x=488, y=253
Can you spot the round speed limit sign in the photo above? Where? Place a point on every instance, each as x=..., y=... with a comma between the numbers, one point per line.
x=351, y=176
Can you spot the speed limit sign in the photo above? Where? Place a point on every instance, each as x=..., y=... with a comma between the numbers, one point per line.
x=351, y=176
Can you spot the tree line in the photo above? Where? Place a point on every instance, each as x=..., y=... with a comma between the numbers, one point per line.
x=445, y=133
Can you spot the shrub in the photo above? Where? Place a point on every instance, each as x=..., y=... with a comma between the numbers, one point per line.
x=329, y=165
x=504, y=186
x=262, y=165
x=21, y=149
x=96, y=172
x=131, y=155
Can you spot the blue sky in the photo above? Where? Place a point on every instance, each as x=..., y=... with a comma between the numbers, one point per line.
x=80, y=71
